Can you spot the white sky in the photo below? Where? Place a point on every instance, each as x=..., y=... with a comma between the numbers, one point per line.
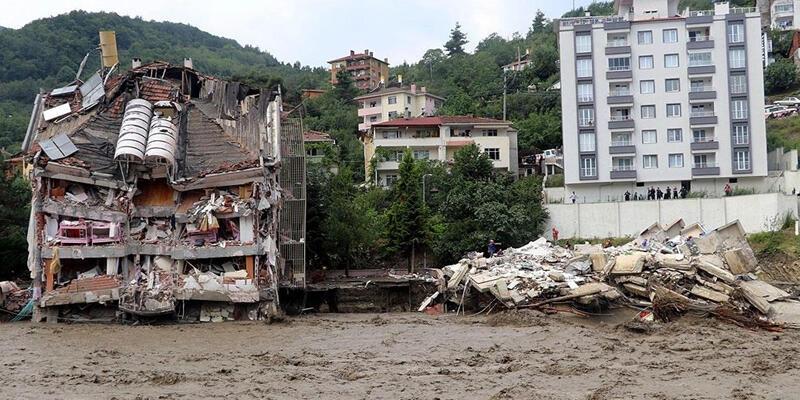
x=315, y=31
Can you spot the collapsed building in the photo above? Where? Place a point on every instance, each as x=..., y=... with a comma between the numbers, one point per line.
x=158, y=192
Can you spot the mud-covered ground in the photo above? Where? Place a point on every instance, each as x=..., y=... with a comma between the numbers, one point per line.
x=399, y=356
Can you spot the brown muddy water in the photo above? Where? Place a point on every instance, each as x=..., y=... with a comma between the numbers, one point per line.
x=516, y=355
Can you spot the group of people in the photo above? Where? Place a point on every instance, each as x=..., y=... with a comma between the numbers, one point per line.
x=655, y=193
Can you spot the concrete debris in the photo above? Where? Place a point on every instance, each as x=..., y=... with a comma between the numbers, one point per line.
x=669, y=274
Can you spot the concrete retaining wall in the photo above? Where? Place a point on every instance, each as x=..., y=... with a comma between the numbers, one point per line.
x=600, y=220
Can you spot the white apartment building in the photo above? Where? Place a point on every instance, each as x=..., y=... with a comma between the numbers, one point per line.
x=651, y=97
x=781, y=14
x=438, y=138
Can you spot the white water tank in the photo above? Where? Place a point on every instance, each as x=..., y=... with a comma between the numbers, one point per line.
x=162, y=143
x=134, y=131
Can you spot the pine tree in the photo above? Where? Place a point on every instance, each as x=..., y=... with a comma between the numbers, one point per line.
x=457, y=41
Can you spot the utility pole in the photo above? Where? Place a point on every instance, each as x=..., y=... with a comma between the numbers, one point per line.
x=505, y=89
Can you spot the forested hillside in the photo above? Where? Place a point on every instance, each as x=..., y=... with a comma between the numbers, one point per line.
x=46, y=53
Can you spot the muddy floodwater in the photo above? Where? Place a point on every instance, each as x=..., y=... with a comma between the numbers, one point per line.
x=519, y=355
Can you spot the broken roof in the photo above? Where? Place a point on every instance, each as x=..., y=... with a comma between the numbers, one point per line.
x=316, y=136
x=220, y=124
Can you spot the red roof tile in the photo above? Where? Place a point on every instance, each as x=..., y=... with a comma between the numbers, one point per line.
x=154, y=91
x=316, y=136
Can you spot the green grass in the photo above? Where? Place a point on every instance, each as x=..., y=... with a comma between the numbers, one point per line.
x=556, y=180
x=784, y=132
x=774, y=243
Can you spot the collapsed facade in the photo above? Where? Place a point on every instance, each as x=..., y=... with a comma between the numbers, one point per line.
x=158, y=192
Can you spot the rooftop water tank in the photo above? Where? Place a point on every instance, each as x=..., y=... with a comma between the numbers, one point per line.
x=134, y=130
x=162, y=143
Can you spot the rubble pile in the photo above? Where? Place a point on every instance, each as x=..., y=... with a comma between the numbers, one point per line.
x=669, y=270
x=12, y=298
x=151, y=290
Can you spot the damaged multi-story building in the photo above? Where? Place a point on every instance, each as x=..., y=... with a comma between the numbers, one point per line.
x=158, y=191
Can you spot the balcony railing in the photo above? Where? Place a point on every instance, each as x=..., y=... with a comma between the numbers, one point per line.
x=741, y=140
x=620, y=68
x=707, y=164
x=736, y=38
x=742, y=10
x=700, y=38
x=701, y=89
x=585, y=122
x=620, y=118
x=701, y=13
x=620, y=92
x=617, y=43
x=739, y=89
x=590, y=20
x=694, y=114
x=706, y=139
x=619, y=143
x=617, y=168
x=700, y=63
x=588, y=172
x=585, y=99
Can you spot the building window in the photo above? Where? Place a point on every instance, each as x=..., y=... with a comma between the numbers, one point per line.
x=584, y=68
x=739, y=109
x=648, y=112
x=700, y=59
x=647, y=87
x=645, y=62
x=700, y=136
x=676, y=160
x=621, y=139
x=622, y=164
x=392, y=99
x=673, y=110
x=740, y=135
x=493, y=153
x=674, y=135
x=586, y=116
x=671, y=61
x=373, y=103
x=670, y=35
x=585, y=92
x=736, y=58
x=586, y=142
x=588, y=166
x=392, y=114
x=738, y=84
x=422, y=154
x=649, y=137
x=672, y=85
x=742, y=159
x=645, y=37
x=489, y=132
x=390, y=180
x=736, y=33
x=619, y=64
x=784, y=7
x=650, y=161
x=408, y=99
x=391, y=134
x=583, y=43
x=373, y=119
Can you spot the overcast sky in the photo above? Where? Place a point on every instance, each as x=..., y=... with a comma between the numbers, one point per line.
x=315, y=31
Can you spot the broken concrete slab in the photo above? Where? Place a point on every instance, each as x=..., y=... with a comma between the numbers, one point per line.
x=598, y=260
x=629, y=263
x=713, y=270
x=738, y=262
x=708, y=294
x=764, y=290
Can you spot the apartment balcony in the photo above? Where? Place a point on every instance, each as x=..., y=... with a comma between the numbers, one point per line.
x=618, y=47
x=700, y=42
x=367, y=111
x=585, y=100
x=705, y=144
x=705, y=169
x=702, y=118
x=387, y=165
x=566, y=22
x=620, y=122
x=623, y=172
x=701, y=69
x=624, y=147
x=619, y=73
x=620, y=97
x=408, y=142
x=702, y=93
x=364, y=126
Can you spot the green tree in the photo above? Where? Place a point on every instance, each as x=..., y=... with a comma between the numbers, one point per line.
x=14, y=213
x=345, y=228
x=539, y=131
x=540, y=25
x=406, y=215
x=472, y=164
x=345, y=89
x=455, y=46
x=780, y=76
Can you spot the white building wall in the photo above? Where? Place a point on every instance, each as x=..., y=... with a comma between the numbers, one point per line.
x=621, y=219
